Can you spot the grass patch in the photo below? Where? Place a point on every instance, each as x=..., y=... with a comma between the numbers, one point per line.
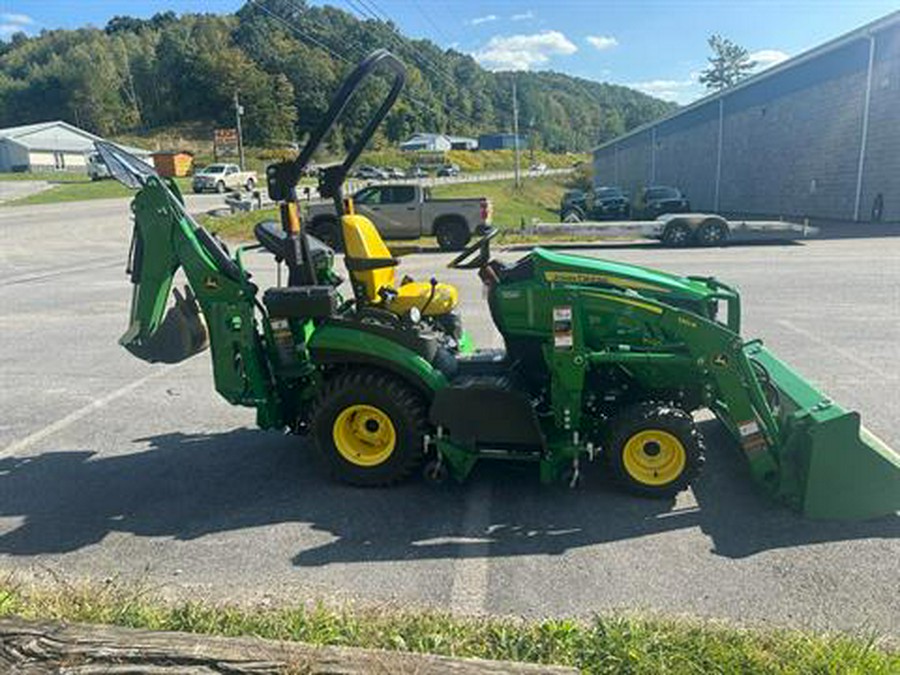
x=615, y=644
x=81, y=190
x=49, y=176
x=238, y=226
x=537, y=199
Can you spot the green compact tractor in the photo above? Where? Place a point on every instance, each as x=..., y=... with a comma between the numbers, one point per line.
x=602, y=360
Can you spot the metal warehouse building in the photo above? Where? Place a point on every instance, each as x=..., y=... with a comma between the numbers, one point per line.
x=816, y=136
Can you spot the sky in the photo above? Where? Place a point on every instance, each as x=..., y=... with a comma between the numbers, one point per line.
x=658, y=47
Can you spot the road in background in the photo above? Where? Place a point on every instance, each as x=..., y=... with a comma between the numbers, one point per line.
x=113, y=468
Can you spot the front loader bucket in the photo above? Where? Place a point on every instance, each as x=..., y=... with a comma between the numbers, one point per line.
x=831, y=466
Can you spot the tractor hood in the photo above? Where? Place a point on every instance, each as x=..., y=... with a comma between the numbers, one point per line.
x=582, y=270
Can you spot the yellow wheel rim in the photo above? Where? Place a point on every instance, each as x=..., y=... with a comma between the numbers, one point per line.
x=654, y=457
x=364, y=435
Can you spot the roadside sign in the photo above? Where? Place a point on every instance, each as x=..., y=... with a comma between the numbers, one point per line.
x=225, y=142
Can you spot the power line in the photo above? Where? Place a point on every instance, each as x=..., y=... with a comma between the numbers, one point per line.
x=342, y=57
x=299, y=32
x=293, y=27
x=437, y=29
x=383, y=17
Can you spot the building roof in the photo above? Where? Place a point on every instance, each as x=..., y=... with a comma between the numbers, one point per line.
x=838, y=42
x=56, y=136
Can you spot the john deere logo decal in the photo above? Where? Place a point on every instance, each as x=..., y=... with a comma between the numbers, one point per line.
x=211, y=284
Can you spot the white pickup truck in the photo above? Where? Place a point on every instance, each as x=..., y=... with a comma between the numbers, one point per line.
x=408, y=211
x=222, y=177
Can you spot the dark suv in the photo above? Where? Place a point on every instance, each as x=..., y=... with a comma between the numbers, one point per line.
x=604, y=203
x=660, y=199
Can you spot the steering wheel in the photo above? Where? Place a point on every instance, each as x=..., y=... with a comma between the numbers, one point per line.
x=482, y=246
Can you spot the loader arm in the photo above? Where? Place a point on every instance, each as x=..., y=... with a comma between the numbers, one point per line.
x=802, y=448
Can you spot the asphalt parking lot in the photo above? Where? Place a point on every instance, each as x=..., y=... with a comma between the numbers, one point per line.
x=113, y=468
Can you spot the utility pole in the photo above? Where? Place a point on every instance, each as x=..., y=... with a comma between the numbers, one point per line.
x=516, y=131
x=238, y=111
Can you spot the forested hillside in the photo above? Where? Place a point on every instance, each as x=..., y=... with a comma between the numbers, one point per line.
x=286, y=59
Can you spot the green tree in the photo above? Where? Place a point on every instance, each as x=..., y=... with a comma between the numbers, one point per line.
x=729, y=64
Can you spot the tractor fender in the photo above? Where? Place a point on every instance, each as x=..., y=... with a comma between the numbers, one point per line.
x=348, y=346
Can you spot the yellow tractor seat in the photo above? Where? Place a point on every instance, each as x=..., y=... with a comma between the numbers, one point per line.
x=371, y=268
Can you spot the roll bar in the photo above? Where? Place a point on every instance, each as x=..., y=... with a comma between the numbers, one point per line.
x=282, y=178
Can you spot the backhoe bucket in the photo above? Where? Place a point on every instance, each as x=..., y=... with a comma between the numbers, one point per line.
x=182, y=333
x=831, y=466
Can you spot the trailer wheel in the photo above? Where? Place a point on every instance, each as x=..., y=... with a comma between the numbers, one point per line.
x=368, y=428
x=655, y=449
x=712, y=232
x=677, y=235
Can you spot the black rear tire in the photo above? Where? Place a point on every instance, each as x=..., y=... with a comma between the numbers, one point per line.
x=655, y=449
x=452, y=235
x=356, y=415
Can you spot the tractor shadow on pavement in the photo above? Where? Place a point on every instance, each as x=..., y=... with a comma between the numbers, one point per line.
x=187, y=486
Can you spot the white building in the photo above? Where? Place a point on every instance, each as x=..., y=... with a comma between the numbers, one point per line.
x=429, y=142
x=48, y=146
x=438, y=143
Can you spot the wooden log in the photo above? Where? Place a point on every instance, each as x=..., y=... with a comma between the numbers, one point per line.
x=40, y=648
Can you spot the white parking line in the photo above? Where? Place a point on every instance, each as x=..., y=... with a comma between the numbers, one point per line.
x=83, y=412
x=850, y=356
x=468, y=592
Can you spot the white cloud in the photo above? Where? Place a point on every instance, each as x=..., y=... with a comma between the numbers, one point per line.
x=483, y=19
x=14, y=23
x=679, y=91
x=524, y=16
x=20, y=19
x=522, y=52
x=766, y=58
x=602, y=42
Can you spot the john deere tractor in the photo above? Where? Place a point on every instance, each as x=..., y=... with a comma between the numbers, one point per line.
x=602, y=360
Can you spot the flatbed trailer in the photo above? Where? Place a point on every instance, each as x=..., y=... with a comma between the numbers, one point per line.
x=682, y=229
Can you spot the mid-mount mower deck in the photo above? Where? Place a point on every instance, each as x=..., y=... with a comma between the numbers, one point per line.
x=602, y=359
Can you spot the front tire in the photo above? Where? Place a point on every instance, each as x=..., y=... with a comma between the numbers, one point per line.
x=220, y=187
x=655, y=449
x=369, y=427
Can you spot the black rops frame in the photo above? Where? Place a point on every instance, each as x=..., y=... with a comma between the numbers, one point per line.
x=282, y=178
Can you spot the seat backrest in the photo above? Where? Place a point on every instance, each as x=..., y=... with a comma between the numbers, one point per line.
x=361, y=240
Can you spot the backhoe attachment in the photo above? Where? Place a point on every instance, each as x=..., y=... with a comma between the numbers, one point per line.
x=180, y=335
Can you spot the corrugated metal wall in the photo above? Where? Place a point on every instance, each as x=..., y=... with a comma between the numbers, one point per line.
x=790, y=142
